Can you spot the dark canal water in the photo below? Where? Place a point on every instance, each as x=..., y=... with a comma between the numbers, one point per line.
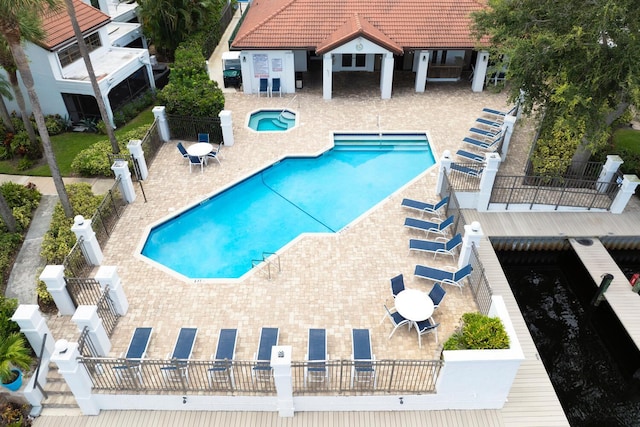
x=593, y=364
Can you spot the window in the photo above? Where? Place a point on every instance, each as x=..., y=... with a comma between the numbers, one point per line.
x=71, y=53
x=358, y=60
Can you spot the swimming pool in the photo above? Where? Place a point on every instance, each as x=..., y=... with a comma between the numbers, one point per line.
x=221, y=235
x=272, y=120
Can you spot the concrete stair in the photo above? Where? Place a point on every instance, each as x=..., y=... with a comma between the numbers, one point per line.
x=59, y=397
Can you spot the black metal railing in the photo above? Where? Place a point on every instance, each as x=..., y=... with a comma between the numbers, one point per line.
x=76, y=263
x=478, y=282
x=107, y=312
x=462, y=181
x=214, y=35
x=251, y=378
x=151, y=143
x=83, y=290
x=187, y=127
x=108, y=213
x=36, y=381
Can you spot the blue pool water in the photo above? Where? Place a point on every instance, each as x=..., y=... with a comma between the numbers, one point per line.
x=219, y=237
x=272, y=120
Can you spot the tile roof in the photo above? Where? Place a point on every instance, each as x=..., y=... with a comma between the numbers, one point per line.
x=313, y=24
x=57, y=24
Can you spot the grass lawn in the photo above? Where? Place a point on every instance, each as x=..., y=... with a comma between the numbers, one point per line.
x=628, y=139
x=67, y=145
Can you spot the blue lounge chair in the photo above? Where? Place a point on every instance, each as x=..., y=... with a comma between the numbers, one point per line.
x=426, y=327
x=397, y=285
x=497, y=113
x=182, y=350
x=484, y=143
x=443, y=276
x=182, y=150
x=316, y=370
x=268, y=338
x=426, y=207
x=264, y=87
x=430, y=226
x=203, y=137
x=469, y=155
x=136, y=351
x=492, y=134
x=196, y=161
x=437, y=294
x=362, y=370
x=437, y=246
x=222, y=370
x=275, y=86
x=497, y=125
x=466, y=170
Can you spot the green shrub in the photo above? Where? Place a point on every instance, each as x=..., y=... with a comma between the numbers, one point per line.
x=59, y=239
x=22, y=200
x=8, y=306
x=55, y=124
x=478, y=332
x=94, y=161
x=44, y=296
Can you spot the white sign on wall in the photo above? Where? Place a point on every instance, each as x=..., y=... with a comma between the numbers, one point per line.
x=261, y=65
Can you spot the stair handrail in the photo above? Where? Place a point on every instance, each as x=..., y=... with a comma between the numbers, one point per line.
x=36, y=383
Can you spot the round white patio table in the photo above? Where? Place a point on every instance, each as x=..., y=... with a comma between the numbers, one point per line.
x=200, y=149
x=414, y=305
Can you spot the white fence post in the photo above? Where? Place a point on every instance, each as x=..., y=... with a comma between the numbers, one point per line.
x=492, y=163
x=445, y=165
x=108, y=276
x=507, y=128
x=160, y=114
x=82, y=229
x=135, y=148
x=66, y=357
x=472, y=235
x=121, y=170
x=227, y=127
x=87, y=316
x=53, y=277
x=609, y=169
x=629, y=184
x=281, y=364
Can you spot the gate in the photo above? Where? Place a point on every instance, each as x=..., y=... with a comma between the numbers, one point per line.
x=83, y=291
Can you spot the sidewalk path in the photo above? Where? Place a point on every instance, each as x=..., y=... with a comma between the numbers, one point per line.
x=28, y=265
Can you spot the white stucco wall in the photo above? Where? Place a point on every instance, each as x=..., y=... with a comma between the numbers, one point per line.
x=269, y=64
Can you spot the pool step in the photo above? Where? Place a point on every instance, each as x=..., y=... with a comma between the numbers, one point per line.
x=385, y=141
x=278, y=123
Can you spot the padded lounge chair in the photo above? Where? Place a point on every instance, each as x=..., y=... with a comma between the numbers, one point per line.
x=426, y=327
x=467, y=170
x=469, y=155
x=397, y=285
x=482, y=143
x=203, y=137
x=182, y=350
x=268, y=338
x=492, y=134
x=264, y=87
x=222, y=370
x=362, y=371
x=497, y=113
x=275, y=86
x=444, y=276
x=497, y=125
x=196, y=161
x=438, y=246
x=430, y=226
x=136, y=351
x=316, y=370
x=426, y=207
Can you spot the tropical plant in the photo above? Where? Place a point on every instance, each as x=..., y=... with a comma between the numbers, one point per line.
x=13, y=14
x=478, y=332
x=14, y=353
x=4, y=112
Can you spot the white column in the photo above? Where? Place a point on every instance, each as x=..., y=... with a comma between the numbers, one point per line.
x=87, y=316
x=34, y=327
x=53, y=277
x=327, y=75
x=386, y=76
x=107, y=106
x=609, y=169
x=507, y=128
x=227, y=127
x=66, y=357
x=492, y=163
x=480, y=72
x=135, y=148
x=121, y=169
x=445, y=165
x=423, y=68
x=281, y=364
x=159, y=113
x=629, y=184
x=108, y=276
x=82, y=229
x=472, y=235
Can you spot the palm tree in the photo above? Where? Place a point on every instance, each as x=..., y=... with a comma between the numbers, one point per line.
x=14, y=353
x=12, y=12
x=5, y=93
x=7, y=62
x=84, y=52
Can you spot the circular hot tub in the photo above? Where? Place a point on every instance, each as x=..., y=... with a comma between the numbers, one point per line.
x=272, y=120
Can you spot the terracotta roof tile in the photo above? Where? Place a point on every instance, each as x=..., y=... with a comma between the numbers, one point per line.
x=296, y=24
x=57, y=24
x=354, y=27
